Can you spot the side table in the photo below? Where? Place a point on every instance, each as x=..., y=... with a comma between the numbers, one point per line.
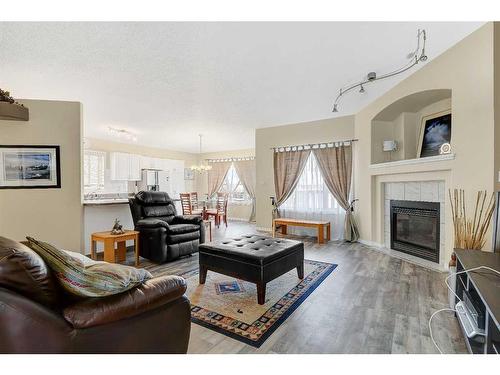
x=111, y=254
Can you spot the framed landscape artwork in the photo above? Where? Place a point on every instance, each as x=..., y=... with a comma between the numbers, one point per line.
x=29, y=167
x=435, y=130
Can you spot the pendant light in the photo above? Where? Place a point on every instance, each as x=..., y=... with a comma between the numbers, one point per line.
x=200, y=168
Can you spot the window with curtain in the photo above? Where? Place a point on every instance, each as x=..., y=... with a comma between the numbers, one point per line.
x=94, y=163
x=312, y=200
x=233, y=186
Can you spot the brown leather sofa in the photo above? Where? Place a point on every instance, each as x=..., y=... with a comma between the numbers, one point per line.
x=37, y=316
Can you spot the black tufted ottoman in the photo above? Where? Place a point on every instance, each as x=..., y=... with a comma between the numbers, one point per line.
x=254, y=258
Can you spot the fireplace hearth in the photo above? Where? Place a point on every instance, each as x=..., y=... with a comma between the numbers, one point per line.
x=415, y=228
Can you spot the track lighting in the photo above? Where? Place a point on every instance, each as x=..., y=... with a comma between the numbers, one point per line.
x=414, y=58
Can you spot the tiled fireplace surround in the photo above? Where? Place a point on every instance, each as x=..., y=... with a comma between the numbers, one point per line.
x=423, y=191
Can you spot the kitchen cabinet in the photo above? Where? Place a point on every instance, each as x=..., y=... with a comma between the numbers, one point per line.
x=148, y=162
x=125, y=167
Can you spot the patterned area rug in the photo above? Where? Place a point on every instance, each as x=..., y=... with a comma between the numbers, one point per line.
x=230, y=307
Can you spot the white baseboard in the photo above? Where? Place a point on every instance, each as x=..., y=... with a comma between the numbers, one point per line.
x=371, y=243
x=237, y=219
x=264, y=229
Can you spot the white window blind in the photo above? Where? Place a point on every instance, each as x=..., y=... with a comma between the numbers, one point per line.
x=94, y=163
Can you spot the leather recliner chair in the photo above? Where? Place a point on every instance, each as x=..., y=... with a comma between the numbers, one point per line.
x=164, y=236
x=38, y=316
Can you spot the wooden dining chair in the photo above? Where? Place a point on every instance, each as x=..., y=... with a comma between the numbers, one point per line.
x=189, y=204
x=220, y=211
x=186, y=203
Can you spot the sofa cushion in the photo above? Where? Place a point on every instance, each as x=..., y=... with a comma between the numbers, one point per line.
x=148, y=198
x=23, y=271
x=183, y=228
x=159, y=211
x=98, y=279
x=182, y=237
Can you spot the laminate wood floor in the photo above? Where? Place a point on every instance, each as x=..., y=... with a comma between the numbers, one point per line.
x=371, y=303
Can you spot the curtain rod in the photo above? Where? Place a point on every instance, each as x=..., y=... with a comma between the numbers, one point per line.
x=314, y=145
x=230, y=159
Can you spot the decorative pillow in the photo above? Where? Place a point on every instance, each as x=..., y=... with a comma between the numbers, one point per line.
x=96, y=279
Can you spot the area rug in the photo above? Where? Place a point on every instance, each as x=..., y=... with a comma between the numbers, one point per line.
x=229, y=306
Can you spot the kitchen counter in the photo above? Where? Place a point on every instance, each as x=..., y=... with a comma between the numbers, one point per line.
x=100, y=202
x=104, y=201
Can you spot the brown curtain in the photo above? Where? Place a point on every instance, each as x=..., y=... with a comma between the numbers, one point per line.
x=246, y=173
x=335, y=164
x=288, y=166
x=216, y=176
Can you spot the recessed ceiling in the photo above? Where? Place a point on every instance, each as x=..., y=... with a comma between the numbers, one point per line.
x=168, y=82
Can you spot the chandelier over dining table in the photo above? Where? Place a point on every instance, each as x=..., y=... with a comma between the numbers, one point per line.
x=202, y=167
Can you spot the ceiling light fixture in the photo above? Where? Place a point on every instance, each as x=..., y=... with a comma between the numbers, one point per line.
x=122, y=133
x=201, y=167
x=415, y=57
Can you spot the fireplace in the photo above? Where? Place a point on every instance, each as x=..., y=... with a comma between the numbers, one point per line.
x=415, y=228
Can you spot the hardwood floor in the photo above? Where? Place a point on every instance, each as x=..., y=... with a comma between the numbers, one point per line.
x=372, y=303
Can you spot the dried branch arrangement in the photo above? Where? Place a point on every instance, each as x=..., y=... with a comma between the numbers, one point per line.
x=470, y=231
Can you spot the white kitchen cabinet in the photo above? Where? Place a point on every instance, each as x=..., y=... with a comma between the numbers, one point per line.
x=125, y=167
x=146, y=162
x=135, y=168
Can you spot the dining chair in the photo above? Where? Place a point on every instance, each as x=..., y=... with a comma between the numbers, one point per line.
x=189, y=203
x=186, y=203
x=220, y=210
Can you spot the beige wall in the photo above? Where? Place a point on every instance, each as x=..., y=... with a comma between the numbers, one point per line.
x=466, y=69
x=54, y=215
x=496, y=74
x=336, y=129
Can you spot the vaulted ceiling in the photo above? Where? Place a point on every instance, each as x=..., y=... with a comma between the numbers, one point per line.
x=168, y=82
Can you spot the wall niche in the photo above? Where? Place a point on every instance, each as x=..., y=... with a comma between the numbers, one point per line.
x=401, y=121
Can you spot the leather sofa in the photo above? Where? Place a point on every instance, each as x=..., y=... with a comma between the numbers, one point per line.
x=37, y=316
x=164, y=236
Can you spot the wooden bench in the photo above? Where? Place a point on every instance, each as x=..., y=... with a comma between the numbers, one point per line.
x=319, y=225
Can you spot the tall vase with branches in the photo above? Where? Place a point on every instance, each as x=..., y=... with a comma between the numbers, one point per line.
x=470, y=230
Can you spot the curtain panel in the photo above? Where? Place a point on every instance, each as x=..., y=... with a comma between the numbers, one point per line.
x=216, y=176
x=335, y=164
x=245, y=169
x=288, y=166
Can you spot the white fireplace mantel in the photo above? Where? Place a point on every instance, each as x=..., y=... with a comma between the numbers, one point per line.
x=418, y=161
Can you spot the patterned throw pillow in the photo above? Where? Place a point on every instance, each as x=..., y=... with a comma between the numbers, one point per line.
x=95, y=279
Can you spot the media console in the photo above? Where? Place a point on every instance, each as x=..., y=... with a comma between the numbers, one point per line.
x=478, y=312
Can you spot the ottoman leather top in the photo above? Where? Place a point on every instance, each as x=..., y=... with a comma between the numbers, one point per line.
x=252, y=248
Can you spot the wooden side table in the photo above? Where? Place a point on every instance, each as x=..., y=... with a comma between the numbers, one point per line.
x=109, y=241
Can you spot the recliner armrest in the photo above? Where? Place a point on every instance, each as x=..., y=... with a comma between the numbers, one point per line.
x=152, y=223
x=188, y=219
x=152, y=294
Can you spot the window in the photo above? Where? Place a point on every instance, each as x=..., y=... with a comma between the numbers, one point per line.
x=233, y=186
x=312, y=200
x=94, y=163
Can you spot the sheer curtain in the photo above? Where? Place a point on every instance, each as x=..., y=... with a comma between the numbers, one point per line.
x=312, y=200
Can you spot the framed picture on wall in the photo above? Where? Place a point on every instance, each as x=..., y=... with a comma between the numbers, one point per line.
x=29, y=167
x=188, y=174
x=435, y=131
